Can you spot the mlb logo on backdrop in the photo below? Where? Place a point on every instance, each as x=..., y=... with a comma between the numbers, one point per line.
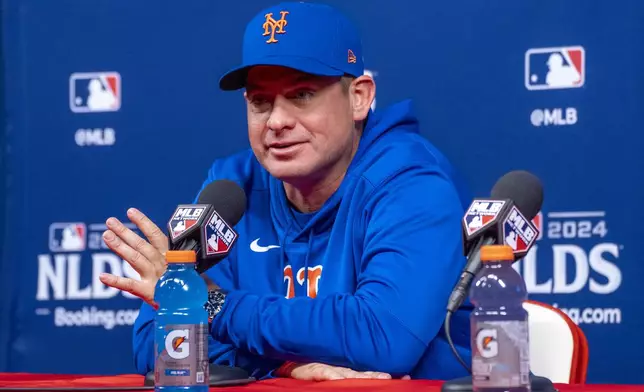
x=67, y=237
x=555, y=68
x=92, y=92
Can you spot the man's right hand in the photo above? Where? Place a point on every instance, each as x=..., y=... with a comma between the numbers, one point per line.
x=147, y=258
x=323, y=372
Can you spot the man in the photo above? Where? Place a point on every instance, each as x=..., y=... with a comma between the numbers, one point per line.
x=350, y=244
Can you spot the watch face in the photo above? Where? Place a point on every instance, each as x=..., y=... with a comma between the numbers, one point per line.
x=214, y=304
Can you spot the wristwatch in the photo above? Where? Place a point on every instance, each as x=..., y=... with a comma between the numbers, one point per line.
x=214, y=303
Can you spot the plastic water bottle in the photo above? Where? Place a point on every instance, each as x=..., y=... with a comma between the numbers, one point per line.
x=499, y=325
x=181, y=327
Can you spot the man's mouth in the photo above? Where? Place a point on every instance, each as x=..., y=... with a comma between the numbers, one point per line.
x=283, y=145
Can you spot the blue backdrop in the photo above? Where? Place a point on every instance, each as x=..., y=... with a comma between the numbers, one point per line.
x=113, y=103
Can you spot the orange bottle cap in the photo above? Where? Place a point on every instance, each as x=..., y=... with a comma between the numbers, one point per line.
x=181, y=256
x=496, y=253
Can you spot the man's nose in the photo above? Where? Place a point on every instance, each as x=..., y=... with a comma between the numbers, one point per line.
x=281, y=117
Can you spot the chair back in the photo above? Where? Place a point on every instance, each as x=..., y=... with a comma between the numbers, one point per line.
x=558, y=347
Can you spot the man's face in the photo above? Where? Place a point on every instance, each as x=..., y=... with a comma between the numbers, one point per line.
x=300, y=126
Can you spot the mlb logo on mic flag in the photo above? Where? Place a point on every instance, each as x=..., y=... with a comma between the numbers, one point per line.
x=481, y=214
x=67, y=237
x=186, y=219
x=555, y=68
x=92, y=92
x=518, y=232
x=217, y=236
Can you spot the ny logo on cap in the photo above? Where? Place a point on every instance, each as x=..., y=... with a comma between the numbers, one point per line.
x=275, y=26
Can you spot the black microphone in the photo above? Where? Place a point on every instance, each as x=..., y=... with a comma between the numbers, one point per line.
x=503, y=219
x=207, y=227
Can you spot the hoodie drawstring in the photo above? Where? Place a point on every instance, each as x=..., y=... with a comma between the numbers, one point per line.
x=283, y=257
x=306, y=260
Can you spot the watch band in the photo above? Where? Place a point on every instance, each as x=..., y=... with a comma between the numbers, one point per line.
x=214, y=303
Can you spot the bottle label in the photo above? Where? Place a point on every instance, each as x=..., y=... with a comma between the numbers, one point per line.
x=181, y=355
x=500, y=354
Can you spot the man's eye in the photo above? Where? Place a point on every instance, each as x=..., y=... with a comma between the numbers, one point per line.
x=303, y=95
x=258, y=100
x=259, y=103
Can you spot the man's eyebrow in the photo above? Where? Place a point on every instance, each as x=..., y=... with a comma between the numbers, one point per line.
x=306, y=78
x=300, y=79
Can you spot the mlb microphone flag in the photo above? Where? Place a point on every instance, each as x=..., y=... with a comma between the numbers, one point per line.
x=217, y=236
x=518, y=232
x=481, y=215
x=186, y=220
x=503, y=221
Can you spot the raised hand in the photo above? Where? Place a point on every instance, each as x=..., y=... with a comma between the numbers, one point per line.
x=147, y=258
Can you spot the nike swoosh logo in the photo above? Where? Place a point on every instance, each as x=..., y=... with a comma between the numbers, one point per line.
x=256, y=247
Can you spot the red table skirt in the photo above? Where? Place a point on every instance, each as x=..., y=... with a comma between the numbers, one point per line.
x=29, y=380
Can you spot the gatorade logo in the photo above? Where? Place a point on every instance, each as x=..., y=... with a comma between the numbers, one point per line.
x=486, y=343
x=176, y=344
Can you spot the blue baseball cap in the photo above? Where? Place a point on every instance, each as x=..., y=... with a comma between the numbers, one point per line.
x=312, y=38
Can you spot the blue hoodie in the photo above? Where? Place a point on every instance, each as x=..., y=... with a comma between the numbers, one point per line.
x=382, y=256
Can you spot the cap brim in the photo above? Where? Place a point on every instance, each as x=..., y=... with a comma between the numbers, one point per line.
x=235, y=79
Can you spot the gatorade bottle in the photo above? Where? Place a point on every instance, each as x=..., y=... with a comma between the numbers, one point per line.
x=499, y=325
x=181, y=327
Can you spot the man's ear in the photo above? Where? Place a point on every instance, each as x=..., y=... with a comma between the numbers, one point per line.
x=362, y=91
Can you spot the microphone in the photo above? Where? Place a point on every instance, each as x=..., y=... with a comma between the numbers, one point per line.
x=207, y=227
x=504, y=219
